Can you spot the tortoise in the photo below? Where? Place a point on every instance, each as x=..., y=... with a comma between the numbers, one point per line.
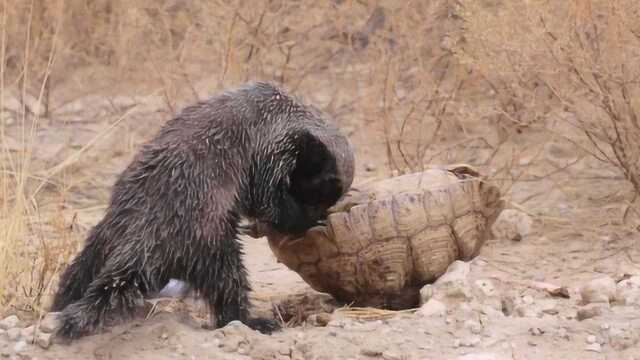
x=386, y=239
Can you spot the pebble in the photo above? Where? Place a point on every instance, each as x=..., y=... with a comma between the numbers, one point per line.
x=474, y=326
x=20, y=346
x=14, y=334
x=536, y=331
x=452, y=284
x=591, y=339
x=43, y=340
x=486, y=286
x=589, y=311
x=513, y=225
x=49, y=322
x=27, y=333
x=10, y=322
x=433, y=307
x=508, y=305
x=599, y=290
x=549, y=306
x=595, y=347
x=563, y=334
x=391, y=355
x=472, y=341
x=628, y=291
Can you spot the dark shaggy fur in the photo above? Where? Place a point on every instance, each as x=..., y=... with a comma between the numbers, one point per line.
x=254, y=152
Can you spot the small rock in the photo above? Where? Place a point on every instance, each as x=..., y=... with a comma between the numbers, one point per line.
x=600, y=290
x=452, y=284
x=372, y=352
x=457, y=343
x=49, y=322
x=589, y=311
x=486, y=286
x=390, y=355
x=628, y=291
x=321, y=319
x=426, y=293
x=623, y=338
x=536, y=331
x=472, y=341
x=548, y=306
x=20, y=347
x=513, y=225
x=11, y=322
x=527, y=311
x=457, y=271
x=433, y=307
x=562, y=333
x=27, y=333
x=527, y=300
x=14, y=334
x=43, y=340
x=595, y=347
x=508, y=305
x=474, y=326
x=491, y=312
x=591, y=339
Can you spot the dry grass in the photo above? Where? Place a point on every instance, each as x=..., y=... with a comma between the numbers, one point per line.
x=433, y=82
x=573, y=61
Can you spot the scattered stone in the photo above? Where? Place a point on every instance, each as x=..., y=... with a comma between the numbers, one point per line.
x=536, y=331
x=562, y=333
x=591, y=339
x=595, y=347
x=623, y=338
x=486, y=286
x=513, y=225
x=453, y=284
x=11, y=322
x=527, y=311
x=549, y=306
x=372, y=352
x=27, y=333
x=433, y=307
x=628, y=291
x=43, y=340
x=508, y=305
x=600, y=290
x=589, y=311
x=472, y=341
x=20, y=347
x=322, y=319
x=390, y=355
x=14, y=334
x=49, y=322
x=474, y=326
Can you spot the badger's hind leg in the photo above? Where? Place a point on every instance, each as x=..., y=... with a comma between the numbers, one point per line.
x=223, y=282
x=120, y=287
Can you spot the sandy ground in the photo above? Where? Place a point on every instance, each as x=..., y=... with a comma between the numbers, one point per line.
x=572, y=242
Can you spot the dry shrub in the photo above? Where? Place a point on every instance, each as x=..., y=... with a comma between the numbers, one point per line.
x=570, y=60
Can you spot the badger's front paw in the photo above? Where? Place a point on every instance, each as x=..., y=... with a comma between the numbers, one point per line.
x=72, y=325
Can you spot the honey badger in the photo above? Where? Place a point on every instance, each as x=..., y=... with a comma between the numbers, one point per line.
x=254, y=152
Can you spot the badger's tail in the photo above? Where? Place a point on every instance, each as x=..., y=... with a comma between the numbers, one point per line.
x=79, y=273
